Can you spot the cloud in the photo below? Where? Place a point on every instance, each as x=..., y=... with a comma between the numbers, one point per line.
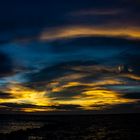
x=6, y=65
x=17, y=106
x=26, y=24
x=4, y=95
x=93, y=43
x=70, y=93
x=124, y=108
x=68, y=107
x=134, y=95
x=96, y=12
x=81, y=55
x=82, y=84
x=59, y=70
x=80, y=31
x=66, y=93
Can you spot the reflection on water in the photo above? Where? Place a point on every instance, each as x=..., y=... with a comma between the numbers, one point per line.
x=84, y=127
x=7, y=127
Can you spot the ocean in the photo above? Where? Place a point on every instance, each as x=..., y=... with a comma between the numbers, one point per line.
x=70, y=127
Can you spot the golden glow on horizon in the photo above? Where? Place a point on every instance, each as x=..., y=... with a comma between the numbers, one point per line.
x=21, y=94
x=37, y=109
x=79, y=31
x=97, y=99
x=93, y=97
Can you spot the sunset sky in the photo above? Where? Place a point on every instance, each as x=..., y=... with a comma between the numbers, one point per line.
x=72, y=56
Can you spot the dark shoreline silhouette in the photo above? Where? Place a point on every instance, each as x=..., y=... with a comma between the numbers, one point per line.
x=76, y=127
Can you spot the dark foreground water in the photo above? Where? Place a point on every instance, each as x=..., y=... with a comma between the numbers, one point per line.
x=70, y=127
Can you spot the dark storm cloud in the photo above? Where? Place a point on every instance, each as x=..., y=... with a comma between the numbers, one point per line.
x=4, y=95
x=78, y=71
x=134, y=95
x=66, y=107
x=72, y=71
x=6, y=65
x=74, y=44
x=124, y=108
x=68, y=93
x=16, y=105
x=58, y=70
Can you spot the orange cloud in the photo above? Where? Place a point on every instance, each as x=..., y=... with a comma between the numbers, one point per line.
x=93, y=96
x=79, y=31
x=97, y=99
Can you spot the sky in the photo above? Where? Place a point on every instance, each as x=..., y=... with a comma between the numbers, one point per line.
x=75, y=56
